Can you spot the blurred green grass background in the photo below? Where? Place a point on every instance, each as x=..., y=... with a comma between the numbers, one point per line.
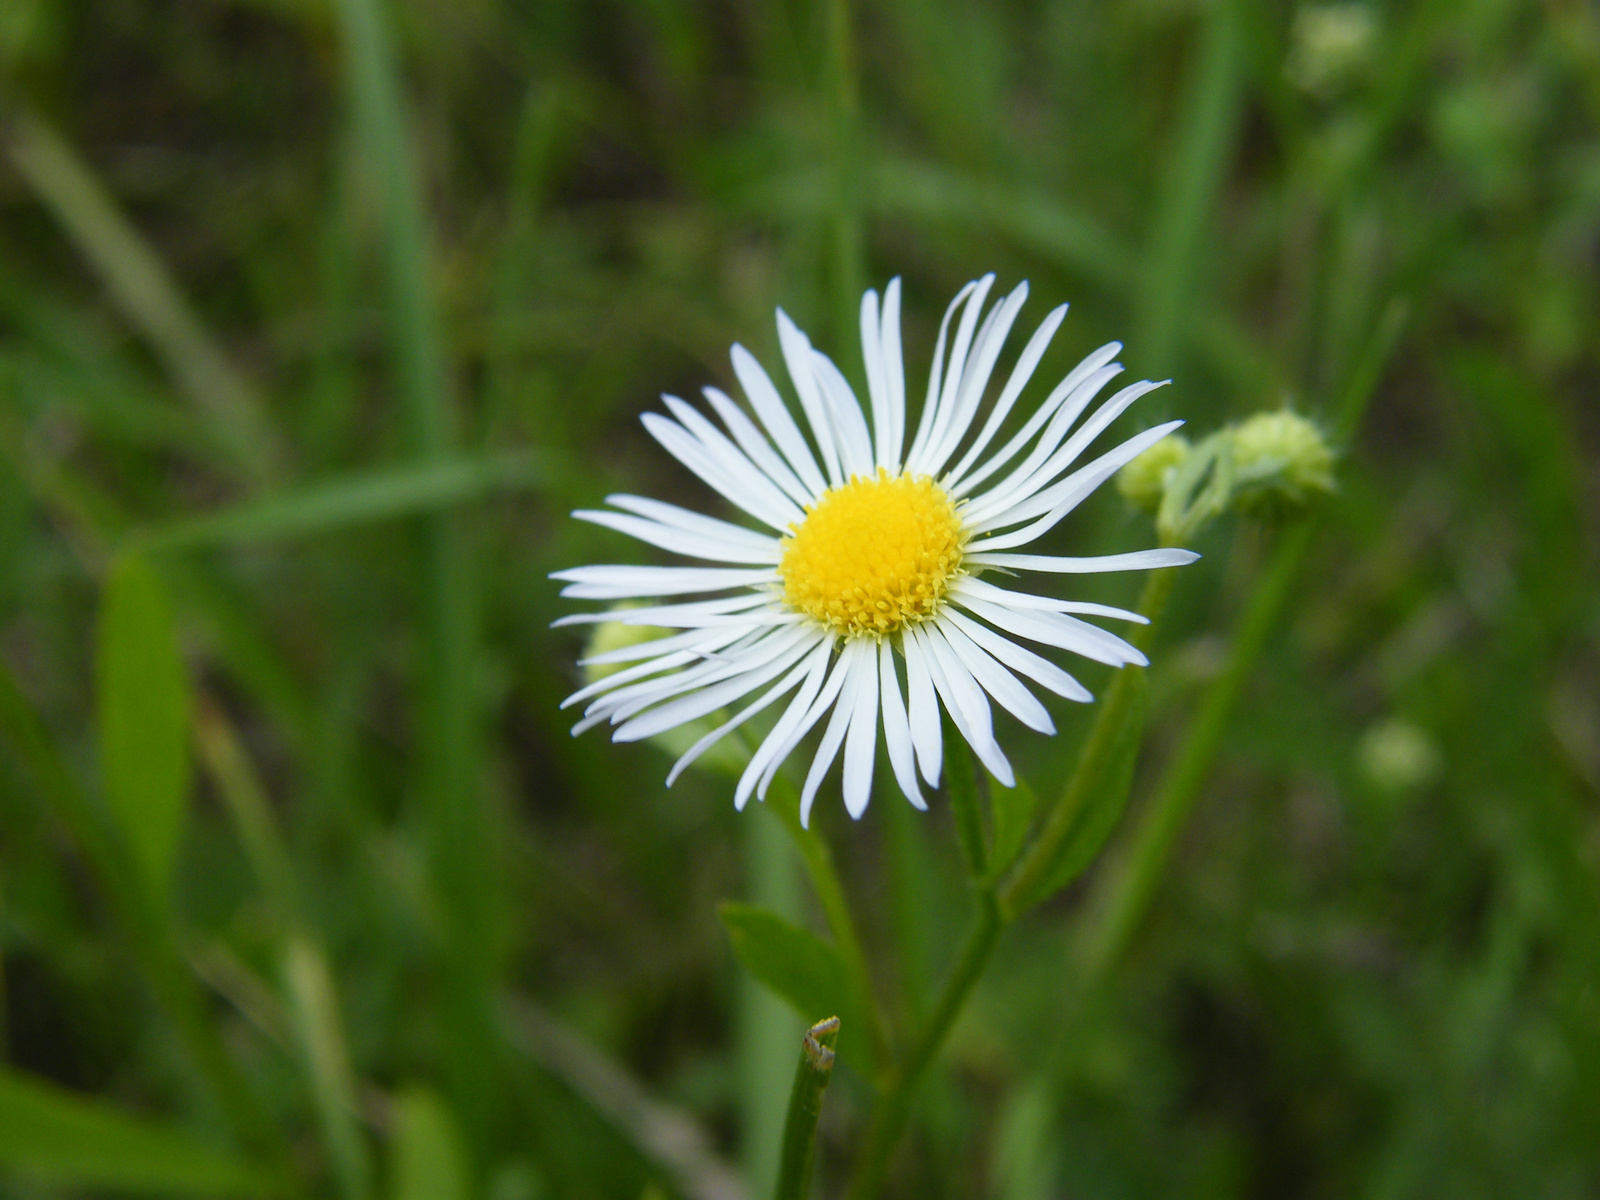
x=332, y=310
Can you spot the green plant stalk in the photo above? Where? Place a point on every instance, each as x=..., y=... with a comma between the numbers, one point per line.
x=322, y=1044
x=814, y=852
x=1212, y=107
x=1021, y=888
x=1128, y=891
x=961, y=785
x=895, y=1097
x=846, y=233
x=456, y=816
x=805, y=1106
x=765, y=1028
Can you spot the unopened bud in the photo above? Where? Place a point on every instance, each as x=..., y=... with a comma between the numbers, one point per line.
x=1281, y=462
x=615, y=635
x=1143, y=482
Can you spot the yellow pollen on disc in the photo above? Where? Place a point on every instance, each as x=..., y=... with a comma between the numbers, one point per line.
x=873, y=555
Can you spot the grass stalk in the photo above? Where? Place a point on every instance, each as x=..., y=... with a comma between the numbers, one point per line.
x=460, y=845
x=805, y=1107
x=893, y=1107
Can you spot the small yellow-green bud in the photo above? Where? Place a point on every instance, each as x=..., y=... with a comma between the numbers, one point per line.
x=1397, y=756
x=1143, y=482
x=615, y=635
x=1281, y=461
x=1332, y=44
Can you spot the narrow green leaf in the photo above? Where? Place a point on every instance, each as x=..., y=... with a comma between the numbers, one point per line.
x=428, y=1161
x=802, y=968
x=1108, y=795
x=1011, y=810
x=356, y=499
x=144, y=720
x=62, y=1138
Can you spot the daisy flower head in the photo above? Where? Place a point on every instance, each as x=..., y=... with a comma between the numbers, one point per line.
x=860, y=597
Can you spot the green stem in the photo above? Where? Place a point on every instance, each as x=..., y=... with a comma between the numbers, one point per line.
x=785, y=802
x=1026, y=882
x=893, y=1107
x=805, y=1106
x=846, y=233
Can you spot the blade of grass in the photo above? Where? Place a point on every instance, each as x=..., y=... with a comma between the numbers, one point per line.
x=147, y=295
x=460, y=844
x=1212, y=110
x=805, y=1107
x=314, y=1009
x=354, y=499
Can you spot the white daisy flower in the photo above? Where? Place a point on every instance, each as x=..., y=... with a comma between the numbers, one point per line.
x=861, y=598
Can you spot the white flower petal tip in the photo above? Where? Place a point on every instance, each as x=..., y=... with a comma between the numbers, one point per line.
x=846, y=595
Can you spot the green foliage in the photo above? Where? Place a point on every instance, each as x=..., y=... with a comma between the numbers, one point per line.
x=53, y=1135
x=329, y=313
x=144, y=703
x=803, y=969
x=428, y=1159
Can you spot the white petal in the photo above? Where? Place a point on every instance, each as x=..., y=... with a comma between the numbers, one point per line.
x=877, y=380
x=763, y=501
x=700, y=643
x=689, y=520
x=1019, y=658
x=921, y=450
x=1074, y=392
x=681, y=541
x=664, y=662
x=894, y=373
x=1137, y=560
x=825, y=698
x=797, y=355
x=975, y=380
x=781, y=688
x=1018, y=490
x=753, y=608
x=1008, y=691
x=754, y=443
x=708, y=699
x=930, y=407
x=896, y=728
x=861, y=749
x=774, y=413
x=623, y=582
x=1057, y=629
x=1057, y=501
x=726, y=454
x=967, y=705
x=828, y=748
x=844, y=410
x=816, y=668
x=1020, y=375
x=972, y=585
x=922, y=709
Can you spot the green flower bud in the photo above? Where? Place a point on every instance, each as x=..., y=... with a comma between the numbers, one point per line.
x=615, y=635
x=1331, y=46
x=1143, y=482
x=1281, y=462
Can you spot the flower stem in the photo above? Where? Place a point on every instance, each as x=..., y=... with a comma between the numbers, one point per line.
x=1023, y=887
x=805, y=1106
x=783, y=801
x=893, y=1107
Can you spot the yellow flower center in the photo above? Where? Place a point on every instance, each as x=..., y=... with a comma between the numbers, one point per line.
x=874, y=554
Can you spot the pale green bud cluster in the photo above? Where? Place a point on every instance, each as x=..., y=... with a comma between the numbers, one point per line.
x=1280, y=461
x=1270, y=465
x=615, y=635
x=1143, y=482
x=1332, y=44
